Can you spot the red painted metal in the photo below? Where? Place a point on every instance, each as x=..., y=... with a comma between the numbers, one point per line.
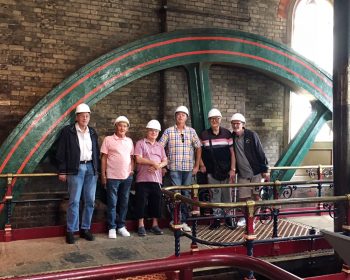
x=302, y=211
x=336, y=276
x=182, y=263
x=260, y=250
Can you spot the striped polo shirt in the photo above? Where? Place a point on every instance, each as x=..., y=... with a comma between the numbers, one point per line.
x=221, y=147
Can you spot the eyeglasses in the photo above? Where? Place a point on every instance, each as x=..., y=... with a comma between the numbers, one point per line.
x=182, y=137
x=214, y=119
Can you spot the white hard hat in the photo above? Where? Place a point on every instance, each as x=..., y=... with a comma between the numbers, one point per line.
x=182, y=109
x=154, y=124
x=214, y=113
x=238, y=117
x=122, y=119
x=82, y=108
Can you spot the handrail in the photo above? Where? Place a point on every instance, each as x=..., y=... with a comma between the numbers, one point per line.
x=7, y=175
x=260, y=184
x=249, y=203
x=184, y=262
x=299, y=167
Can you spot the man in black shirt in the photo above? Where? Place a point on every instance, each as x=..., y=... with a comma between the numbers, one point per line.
x=218, y=160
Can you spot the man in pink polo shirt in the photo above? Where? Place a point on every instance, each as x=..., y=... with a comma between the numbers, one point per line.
x=150, y=158
x=117, y=170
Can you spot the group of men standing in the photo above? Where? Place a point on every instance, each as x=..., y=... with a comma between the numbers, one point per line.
x=217, y=152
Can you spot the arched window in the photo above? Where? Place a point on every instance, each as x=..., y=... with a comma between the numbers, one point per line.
x=312, y=36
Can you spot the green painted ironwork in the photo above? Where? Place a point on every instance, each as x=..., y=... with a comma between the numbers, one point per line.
x=200, y=95
x=35, y=134
x=300, y=145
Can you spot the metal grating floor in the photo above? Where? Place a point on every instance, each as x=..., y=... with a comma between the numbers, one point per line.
x=286, y=228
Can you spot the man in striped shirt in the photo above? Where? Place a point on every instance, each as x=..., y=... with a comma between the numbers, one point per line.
x=184, y=152
x=218, y=153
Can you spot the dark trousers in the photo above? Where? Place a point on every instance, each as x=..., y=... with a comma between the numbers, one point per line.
x=148, y=193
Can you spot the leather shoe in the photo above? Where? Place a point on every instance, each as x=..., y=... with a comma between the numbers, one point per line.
x=70, y=237
x=230, y=223
x=86, y=234
x=215, y=224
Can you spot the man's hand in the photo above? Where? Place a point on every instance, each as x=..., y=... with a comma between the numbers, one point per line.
x=203, y=169
x=103, y=181
x=266, y=176
x=195, y=170
x=62, y=177
x=232, y=176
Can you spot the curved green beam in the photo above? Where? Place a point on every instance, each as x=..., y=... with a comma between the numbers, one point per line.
x=34, y=135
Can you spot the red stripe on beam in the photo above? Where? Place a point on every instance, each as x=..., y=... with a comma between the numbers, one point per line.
x=172, y=41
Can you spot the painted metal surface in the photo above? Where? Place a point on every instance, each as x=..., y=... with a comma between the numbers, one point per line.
x=200, y=95
x=300, y=145
x=34, y=135
x=185, y=262
x=340, y=243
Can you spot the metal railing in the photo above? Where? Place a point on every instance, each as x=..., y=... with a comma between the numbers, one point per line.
x=319, y=172
x=249, y=212
x=8, y=202
x=185, y=264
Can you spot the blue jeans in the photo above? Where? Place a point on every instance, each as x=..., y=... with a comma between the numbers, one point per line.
x=182, y=178
x=117, y=193
x=83, y=183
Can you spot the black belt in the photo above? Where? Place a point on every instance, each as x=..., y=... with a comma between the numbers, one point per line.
x=85, y=161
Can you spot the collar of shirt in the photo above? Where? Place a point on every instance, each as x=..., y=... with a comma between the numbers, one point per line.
x=148, y=141
x=175, y=126
x=116, y=137
x=212, y=132
x=77, y=127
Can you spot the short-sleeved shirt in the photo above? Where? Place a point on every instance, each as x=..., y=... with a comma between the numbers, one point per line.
x=180, y=147
x=221, y=147
x=154, y=152
x=119, y=152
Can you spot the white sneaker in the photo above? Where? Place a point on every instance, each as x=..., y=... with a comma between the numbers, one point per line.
x=186, y=228
x=123, y=232
x=241, y=222
x=112, y=233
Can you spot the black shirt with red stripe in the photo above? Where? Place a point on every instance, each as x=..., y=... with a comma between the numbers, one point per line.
x=221, y=144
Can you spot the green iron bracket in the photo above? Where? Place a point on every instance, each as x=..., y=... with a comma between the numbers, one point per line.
x=200, y=95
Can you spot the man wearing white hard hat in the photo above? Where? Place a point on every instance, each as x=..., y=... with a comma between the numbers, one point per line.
x=252, y=163
x=150, y=158
x=218, y=161
x=78, y=158
x=117, y=170
x=184, y=152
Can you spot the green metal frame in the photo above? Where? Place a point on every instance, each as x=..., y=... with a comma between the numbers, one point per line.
x=195, y=49
x=300, y=145
x=200, y=95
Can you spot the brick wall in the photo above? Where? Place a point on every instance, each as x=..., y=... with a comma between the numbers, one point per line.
x=42, y=42
x=258, y=98
x=45, y=41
